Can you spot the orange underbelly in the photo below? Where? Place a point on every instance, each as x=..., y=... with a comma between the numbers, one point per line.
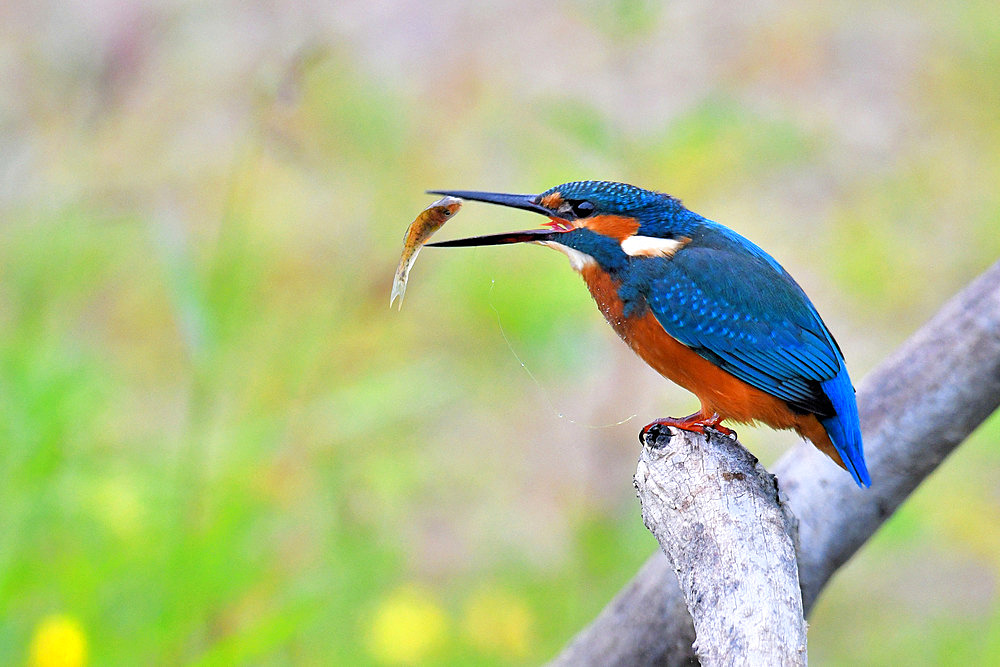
x=719, y=391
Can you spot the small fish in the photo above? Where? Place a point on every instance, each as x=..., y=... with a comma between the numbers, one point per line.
x=417, y=234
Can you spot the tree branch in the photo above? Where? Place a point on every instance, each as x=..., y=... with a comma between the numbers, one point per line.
x=916, y=407
x=716, y=513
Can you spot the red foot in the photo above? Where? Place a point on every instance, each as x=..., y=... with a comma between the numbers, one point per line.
x=696, y=423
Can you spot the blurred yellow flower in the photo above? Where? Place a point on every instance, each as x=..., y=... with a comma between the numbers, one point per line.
x=58, y=642
x=408, y=626
x=498, y=622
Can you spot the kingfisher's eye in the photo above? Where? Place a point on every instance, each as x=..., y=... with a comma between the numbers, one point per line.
x=582, y=208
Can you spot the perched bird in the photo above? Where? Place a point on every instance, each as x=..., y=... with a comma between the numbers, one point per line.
x=703, y=306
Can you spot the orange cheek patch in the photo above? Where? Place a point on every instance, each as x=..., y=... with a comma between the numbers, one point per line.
x=615, y=226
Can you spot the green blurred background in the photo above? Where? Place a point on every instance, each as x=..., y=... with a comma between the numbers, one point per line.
x=217, y=443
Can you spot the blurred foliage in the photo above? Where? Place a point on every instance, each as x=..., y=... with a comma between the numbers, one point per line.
x=220, y=447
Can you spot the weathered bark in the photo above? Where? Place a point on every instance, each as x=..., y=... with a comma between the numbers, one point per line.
x=716, y=513
x=916, y=407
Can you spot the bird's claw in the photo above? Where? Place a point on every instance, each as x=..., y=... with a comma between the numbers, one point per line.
x=696, y=423
x=653, y=432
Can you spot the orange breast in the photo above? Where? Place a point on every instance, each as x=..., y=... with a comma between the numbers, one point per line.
x=719, y=391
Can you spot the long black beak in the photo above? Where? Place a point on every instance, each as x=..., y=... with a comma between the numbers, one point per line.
x=524, y=202
x=499, y=239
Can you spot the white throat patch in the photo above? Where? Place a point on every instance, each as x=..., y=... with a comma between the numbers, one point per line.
x=577, y=259
x=650, y=246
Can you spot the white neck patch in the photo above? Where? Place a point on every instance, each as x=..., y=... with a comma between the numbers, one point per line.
x=577, y=259
x=650, y=246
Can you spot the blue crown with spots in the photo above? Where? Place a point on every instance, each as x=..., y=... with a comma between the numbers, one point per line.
x=608, y=195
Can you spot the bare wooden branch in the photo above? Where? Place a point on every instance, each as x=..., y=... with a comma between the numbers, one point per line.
x=916, y=407
x=920, y=404
x=716, y=513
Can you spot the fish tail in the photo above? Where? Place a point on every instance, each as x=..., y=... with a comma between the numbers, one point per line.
x=398, y=289
x=403, y=275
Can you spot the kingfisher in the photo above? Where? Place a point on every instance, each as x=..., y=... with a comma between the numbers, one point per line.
x=703, y=306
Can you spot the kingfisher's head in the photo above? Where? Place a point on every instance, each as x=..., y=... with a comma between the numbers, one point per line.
x=598, y=222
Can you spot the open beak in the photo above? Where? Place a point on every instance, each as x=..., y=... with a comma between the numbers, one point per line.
x=524, y=202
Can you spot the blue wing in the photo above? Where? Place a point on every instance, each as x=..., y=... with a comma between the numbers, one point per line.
x=734, y=305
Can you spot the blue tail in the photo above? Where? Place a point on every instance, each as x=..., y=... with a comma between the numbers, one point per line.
x=845, y=429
